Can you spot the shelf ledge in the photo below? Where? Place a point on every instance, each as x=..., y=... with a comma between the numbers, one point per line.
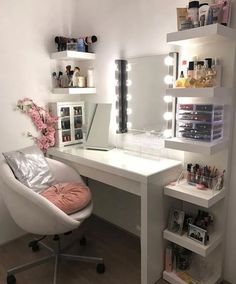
x=172, y=278
x=208, y=148
x=200, y=92
x=204, y=198
x=73, y=55
x=202, y=35
x=74, y=91
x=194, y=246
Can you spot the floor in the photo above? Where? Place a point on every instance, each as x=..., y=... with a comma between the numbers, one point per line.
x=120, y=250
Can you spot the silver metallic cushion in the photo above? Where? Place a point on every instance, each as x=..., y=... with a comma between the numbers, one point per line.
x=30, y=167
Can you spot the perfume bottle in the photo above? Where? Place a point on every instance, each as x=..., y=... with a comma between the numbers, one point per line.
x=180, y=81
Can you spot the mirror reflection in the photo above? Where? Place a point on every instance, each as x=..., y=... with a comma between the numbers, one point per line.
x=147, y=88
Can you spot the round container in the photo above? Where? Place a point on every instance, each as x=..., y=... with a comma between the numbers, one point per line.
x=193, y=7
x=81, y=81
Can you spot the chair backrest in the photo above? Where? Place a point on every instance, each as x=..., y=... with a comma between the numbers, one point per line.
x=30, y=211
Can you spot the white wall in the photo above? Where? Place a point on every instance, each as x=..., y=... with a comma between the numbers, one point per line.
x=27, y=30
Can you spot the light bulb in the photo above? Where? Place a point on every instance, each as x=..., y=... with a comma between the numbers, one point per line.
x=128, y=67
x=168, y=79
x=129, y=97
x=167, y=99
x=167, y=115
x=167, y=133
x=169, y=61
x=129, y=125
x=128, y=83
x=129, y=111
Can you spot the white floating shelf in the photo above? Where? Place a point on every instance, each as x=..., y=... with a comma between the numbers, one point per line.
x=199, y=92
x=184, y=241
x=73, y=55
x=172, y=278
x=74, y=91
x=207, y=148
x=204, y=198
x=202, y=35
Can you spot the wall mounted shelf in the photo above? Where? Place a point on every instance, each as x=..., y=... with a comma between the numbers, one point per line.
x=172, y=278
x=202, y=35
x=215, y=92
x=208, y=148
x=204, y=198
x=74, y=91
x=73, y=55
x=184, y=241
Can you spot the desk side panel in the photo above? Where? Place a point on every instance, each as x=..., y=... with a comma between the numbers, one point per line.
x=154, y=215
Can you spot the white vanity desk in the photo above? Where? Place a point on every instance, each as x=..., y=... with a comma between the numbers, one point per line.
x=141, y=175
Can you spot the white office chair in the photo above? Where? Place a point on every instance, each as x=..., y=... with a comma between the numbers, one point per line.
x=35, y=214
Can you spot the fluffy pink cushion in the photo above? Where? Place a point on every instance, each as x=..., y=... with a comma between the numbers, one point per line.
x=69, y=197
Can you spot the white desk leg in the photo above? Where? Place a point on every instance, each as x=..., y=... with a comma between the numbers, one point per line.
x=144, y=256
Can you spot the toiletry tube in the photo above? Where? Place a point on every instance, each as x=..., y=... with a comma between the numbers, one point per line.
x=168, y=259
x=182, y=14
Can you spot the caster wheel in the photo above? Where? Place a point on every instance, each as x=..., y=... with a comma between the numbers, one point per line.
x=11, y=279
x=34, y=246
x=101, y=268
x=83, y=241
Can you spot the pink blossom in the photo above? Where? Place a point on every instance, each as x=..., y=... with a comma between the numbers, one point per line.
x=43, y=121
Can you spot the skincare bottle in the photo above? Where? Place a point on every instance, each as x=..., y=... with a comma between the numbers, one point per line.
x=226, y=12
x=90, y=78
x=190, y=81
x=210, y=73
x=198, y=71
x=217, y=67
x=180, y=81
x=193, y=8
x=168, y=259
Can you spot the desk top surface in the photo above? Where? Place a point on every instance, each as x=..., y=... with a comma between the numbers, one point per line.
x=116, y=161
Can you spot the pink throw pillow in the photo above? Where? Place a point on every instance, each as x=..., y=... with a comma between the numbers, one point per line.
x=69, y=197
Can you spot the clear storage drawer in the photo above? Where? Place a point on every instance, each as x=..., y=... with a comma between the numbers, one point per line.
x=202, y=122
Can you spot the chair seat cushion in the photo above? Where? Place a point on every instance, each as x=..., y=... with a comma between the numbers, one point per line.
x=69, y=197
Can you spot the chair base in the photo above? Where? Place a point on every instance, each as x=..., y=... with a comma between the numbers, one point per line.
x=58, y=255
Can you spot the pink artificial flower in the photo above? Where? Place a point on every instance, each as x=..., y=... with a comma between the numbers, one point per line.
x=43, y=121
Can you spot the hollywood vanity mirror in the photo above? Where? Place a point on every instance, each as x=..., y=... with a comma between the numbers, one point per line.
x=141, y=101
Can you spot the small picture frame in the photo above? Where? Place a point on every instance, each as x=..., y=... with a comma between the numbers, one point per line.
x=176, y=221
x=197, y=234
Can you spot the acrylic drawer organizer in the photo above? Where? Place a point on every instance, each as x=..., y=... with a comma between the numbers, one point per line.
x=203, y=122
